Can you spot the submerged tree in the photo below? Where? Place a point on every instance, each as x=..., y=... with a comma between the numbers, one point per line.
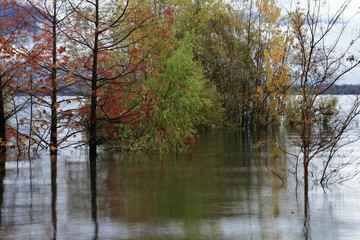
x=321, y=57
x=182, y=101
x=243, y=50
x=220, y=45
x=97, y=30
x=272, y=89
x=164, y=101
x=49, y=57
x=15, y=26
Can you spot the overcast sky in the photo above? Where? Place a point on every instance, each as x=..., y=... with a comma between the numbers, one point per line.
x=352, y=13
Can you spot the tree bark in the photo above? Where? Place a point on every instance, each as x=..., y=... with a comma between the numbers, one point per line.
x=2, y=118
x=93, y=100
x=53, y=124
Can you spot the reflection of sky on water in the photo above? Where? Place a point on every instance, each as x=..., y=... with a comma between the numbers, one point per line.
x=335, y=214
x=219, y=191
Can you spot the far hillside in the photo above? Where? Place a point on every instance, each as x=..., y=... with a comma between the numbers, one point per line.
x=344, y=89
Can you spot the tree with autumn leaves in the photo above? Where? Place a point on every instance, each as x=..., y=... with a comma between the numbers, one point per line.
x=148, y=74
x=40, y=78
x=15, y=25
x=48, y=52
x=102, y=33
x=109, y=49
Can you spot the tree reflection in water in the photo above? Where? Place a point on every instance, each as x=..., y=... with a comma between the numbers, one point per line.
x=53, y=160
x=93, y=194
x=307, y=227
x=2, y=176
x=219, y=191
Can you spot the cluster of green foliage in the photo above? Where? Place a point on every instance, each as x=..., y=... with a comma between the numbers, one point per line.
x=183, y=102
x=216, y=66
x=325, y=109
x=232, y=74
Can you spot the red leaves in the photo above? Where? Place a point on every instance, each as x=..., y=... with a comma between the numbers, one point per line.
x=68, y=113
x=135, y=53
x=10, y=133
x=61, y=50
x=84, y=111
x=43, y=123
x=170, y=14
x=66, y=59
x=190, y=141
x=163, y=33
x=169, y=11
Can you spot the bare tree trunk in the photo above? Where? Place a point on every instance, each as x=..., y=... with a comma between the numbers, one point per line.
x=17, y=124
x=31, y=118
x=53, y=123
x=2, y=118
x=93, y=106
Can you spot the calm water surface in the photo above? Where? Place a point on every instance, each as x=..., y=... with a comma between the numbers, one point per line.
x=221, y=190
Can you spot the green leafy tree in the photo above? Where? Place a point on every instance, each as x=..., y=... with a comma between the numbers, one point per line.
x=182, y=100
x=243, y=50
x=219, y=44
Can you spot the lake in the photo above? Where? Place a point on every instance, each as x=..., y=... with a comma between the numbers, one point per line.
x=220, y=190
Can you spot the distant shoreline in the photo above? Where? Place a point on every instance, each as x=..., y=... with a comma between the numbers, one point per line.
x=343, y=89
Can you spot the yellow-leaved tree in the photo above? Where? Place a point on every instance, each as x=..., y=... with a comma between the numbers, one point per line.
x=273, y=42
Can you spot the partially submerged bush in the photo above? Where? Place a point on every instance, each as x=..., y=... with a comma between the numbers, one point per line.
x=325, y=109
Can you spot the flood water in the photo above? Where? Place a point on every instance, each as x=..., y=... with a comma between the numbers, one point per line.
x=220, y=190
